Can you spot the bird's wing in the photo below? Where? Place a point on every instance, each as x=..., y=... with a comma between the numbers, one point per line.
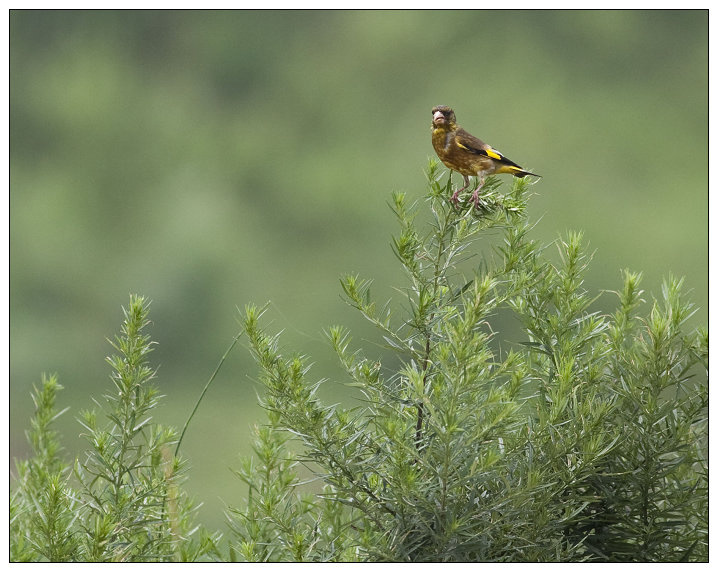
x=475, y=145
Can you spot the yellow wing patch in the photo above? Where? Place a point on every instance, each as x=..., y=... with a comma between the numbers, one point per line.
x=493, y=154
x=488, y=151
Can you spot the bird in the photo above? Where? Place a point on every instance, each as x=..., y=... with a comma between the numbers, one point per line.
x=470, y=156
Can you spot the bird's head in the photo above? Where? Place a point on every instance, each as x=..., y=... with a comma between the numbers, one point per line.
x=442, y=117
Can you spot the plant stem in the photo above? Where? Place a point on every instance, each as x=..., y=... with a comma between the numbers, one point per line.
x=206, y=387
x=424, y=367
x=427, y=347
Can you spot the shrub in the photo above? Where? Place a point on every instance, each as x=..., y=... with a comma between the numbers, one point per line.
x=583, y=439
x=122, y=502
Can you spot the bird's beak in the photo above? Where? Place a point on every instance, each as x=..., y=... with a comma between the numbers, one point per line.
x=439, y=118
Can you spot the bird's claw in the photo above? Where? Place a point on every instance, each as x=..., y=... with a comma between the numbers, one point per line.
x=478, y=203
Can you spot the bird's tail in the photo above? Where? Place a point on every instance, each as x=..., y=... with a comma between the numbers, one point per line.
x=520, y=173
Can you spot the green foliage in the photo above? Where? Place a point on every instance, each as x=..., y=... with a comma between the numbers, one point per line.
x=42, y=510
x=221, y=149
x=583, y=441
x=584, y=438
x=279, y=523
x=125, y=503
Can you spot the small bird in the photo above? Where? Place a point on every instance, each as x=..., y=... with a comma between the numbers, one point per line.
x=460, y=151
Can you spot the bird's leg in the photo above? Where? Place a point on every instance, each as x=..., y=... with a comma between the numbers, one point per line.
x=455, y=196
x=475, y=195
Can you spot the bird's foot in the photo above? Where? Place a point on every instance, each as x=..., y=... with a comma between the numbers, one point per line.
x=478, y=203
x=455, y=197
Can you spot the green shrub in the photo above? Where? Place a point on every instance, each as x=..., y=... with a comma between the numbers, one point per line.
x=583, y=439
x=122, y=502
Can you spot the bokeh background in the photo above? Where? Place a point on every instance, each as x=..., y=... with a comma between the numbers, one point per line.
x=211, y=159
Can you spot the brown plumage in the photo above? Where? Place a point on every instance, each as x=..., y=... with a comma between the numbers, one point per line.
x=462, y=152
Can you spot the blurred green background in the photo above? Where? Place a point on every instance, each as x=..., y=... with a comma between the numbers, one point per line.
x=211, y=159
